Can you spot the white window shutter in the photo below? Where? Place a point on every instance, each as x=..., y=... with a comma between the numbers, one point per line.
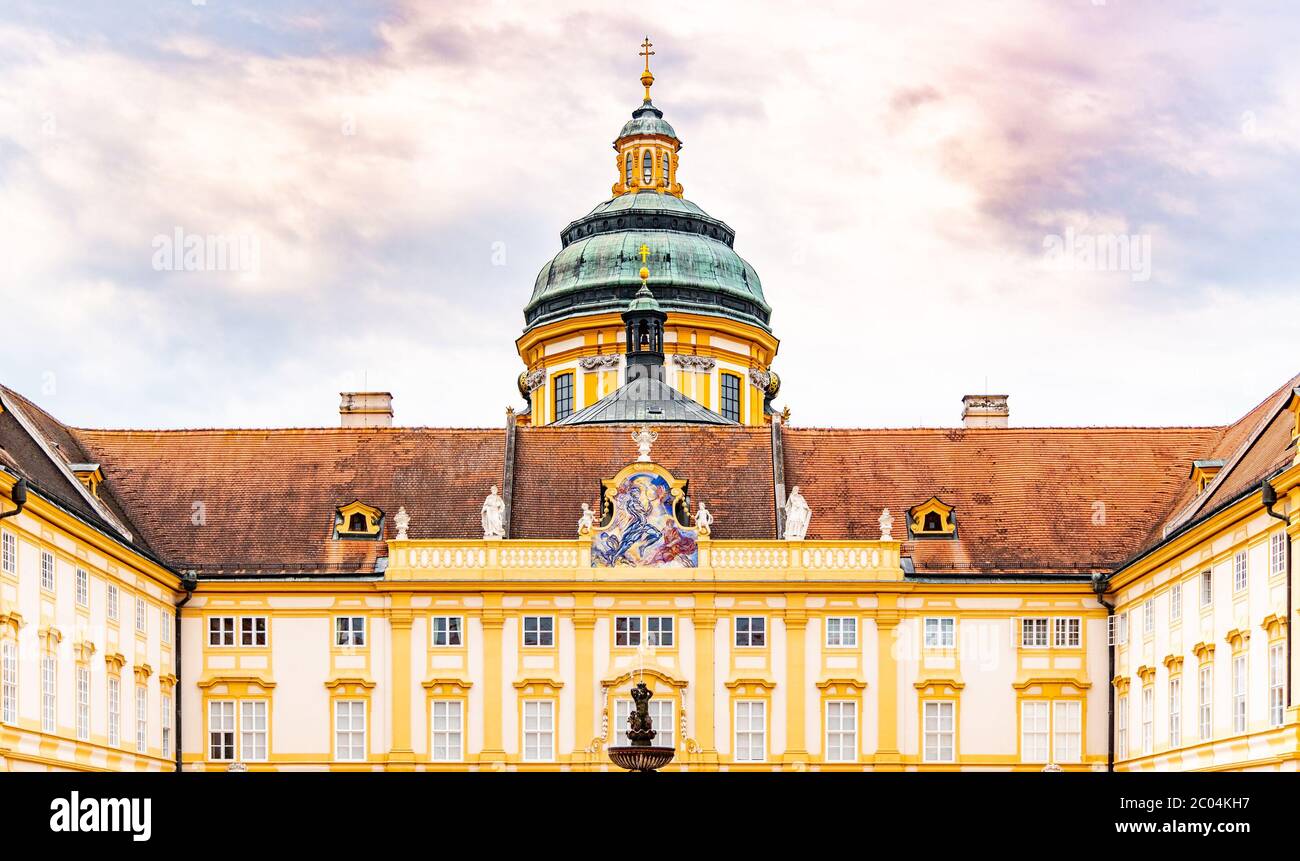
x=1110, y=630
x=1015, y=632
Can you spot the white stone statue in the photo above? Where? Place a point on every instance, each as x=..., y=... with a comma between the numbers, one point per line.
x=886, y=525
x=797, y=515
x=587, y=520
x=704, y=520
x=644, y=438
x=403, y=521
x=494, y=515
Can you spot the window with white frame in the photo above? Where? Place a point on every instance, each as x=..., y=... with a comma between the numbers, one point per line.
x=1148, y=617
x=221, y=730
x=166, y=723
x=141, y=617
x=83, y=703
x=627, y=630
x=940, y=632
x=114, y=711
x=1175, y=711
x=8, y=681
x=1148, y=719
x=8, y=553
x=539, y=730
x=48, y=692
x=47, y=571
x=446, y=631
x=252, y=730
x=1067, y=730
x=252, y=631
x=83, y=588
x=1121, y=732
x=751, y=730
x=165, y=625
x=1276, y=683
x=939, y=720
x=1033, y=632
x=841, y=731
x=445, y=726
x=539, y=631
x=350, y=730
x=1239, y=693
x=1068, y=632
x=1175, y=602
x=1205, y=701
x=659, y=631
x=1121, y=623
x=141, y=719
x=1240, y=572
x=1034, y=730
x=661, y=717
x=221, y=630
x=113, y=600
x=349, y=630
x=751, y=631
x=841, y=632
x=1207, y=588
x=1277, y=553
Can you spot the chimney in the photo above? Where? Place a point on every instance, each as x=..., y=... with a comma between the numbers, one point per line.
x=985, y=411
x=366, y=409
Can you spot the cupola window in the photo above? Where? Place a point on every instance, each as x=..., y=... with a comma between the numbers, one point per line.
x=667, y=166
x=627, y=175
x=647, y=169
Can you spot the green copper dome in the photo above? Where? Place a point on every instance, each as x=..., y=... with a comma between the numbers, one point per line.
x=647, y=120
x=693, y=267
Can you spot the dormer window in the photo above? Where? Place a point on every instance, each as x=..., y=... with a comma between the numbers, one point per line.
x=358, y=521
x=89, y=474
x=933, y=518
x=1203, y=472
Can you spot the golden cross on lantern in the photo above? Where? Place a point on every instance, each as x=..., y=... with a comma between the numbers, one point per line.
x=646, y=52
x=644, y=251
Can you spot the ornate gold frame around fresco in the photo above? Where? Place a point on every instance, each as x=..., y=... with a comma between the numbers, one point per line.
x=677, y=487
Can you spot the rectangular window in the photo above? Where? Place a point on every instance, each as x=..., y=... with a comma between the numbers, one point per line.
x=539, y=730
x=166, y=725
x=350, y=730
x=165, y=624
x=841, y=731
x=252, y=631
x=1148, y=719
x=731, y=397
x=252, y=730
x=563, y=396
x=1277, y=553
x=114, y=601
x=1205, y=702
x=659, y=631
x=8, y=682
x=751, y=631
x=221, y=630
x=1240, y=573
x=141, y=623
x=751, y=731
x=47, y=571
x=627, y=631
x=83, y=703
x=1175, y=602
x=1067, y=730
x=842, y=632
x=1033, y=633
x=940, y=734
x=1207, y=588
x=1148, y=617
x=1121, y=733
x=1238, y=693
x=1034, y=731
x=114, y=711
x=1175, y=711
x=661, y=716
x=83, y=588
x=539, y=631
x=349, y=630
x=445, y=724
x=940, y=633
x=48, y=689
x=1122, y=624
x=1068, y=632
x=446, y=631
x=141, y=719
x=8, y=553
x=1276, y=682
x=221, y=730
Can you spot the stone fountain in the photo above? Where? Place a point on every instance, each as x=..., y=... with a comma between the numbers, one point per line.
x=640, y=754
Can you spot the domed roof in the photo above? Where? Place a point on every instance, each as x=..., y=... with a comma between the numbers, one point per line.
x=695, y=269
x=647, y=120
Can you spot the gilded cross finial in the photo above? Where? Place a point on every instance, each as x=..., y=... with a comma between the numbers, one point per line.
x=646, y=77
x=644, y=251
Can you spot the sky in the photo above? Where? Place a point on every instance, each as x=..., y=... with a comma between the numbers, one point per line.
x=1089, y=206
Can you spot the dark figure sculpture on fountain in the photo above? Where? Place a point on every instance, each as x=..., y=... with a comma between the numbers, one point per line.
x=640, y=730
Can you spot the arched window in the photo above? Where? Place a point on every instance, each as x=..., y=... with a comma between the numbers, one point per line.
x=647, y=168
x=357, y=523
x=667, y=167
x=627, y=177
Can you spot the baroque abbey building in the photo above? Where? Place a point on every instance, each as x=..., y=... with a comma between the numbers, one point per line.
x=374, y=597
